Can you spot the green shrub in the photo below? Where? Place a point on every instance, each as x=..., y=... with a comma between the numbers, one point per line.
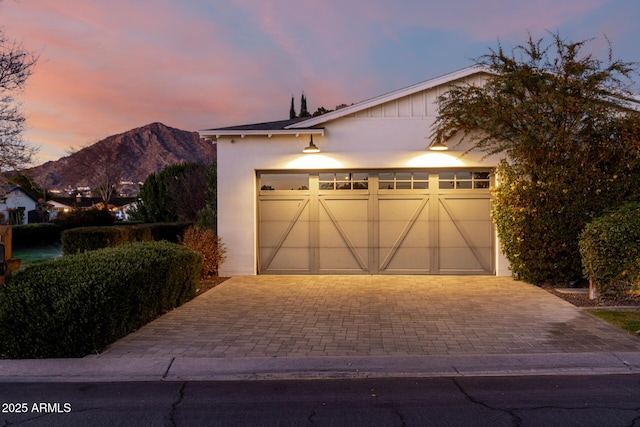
x=610, y=248
x=83, y=239
x=77, y=240
x=79, y=304
x=84, y=218
x=538, y=224
x=33, y=235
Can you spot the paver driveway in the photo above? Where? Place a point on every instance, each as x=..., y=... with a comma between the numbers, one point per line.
x=298, y=316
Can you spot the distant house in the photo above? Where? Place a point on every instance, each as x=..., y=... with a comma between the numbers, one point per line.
x=65, y=204
x=370, y=194
x=16, y=203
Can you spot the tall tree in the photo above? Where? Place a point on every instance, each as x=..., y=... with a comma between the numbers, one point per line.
x=562, y=119
x=101, y=167
x=16, y=65
x=179, y=192
x=292, y=110
x=304, y=112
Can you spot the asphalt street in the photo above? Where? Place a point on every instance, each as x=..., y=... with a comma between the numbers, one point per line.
x=578, y=400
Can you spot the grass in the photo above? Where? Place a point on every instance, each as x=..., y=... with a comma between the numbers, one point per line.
x=627, y=320
x=33, y=256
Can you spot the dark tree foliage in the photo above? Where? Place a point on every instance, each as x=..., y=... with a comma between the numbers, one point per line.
x=292, y=110
x=304, y=111
x=28, y=186
x=320, y=111
x=177, y=193
x=570, y=137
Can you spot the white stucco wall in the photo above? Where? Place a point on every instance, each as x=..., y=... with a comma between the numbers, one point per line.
x=14, y=200
x=348, y=143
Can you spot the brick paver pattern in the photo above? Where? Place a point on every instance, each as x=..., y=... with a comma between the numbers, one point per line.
x=298, y=316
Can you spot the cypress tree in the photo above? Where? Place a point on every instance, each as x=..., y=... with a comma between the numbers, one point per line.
x=292, y=110
x=303, y=106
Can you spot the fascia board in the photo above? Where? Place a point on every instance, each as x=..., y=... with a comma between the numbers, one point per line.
x=266, y=132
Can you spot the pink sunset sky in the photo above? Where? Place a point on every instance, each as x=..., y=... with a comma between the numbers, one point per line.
x=109, y=66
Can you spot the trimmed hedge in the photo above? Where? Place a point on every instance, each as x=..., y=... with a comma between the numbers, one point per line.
x=610, y=247
x=82, y=239
x=85, y=218
x=79, y=304
x=34, y=235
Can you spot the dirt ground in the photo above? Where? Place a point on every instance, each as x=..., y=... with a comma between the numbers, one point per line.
x=583, y=300
x=209, y=283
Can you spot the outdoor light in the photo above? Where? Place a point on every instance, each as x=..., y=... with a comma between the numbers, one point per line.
x=312, y=148
x=438, y=145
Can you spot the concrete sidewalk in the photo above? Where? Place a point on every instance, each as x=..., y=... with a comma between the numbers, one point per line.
x=261, y=327
x=269, y=368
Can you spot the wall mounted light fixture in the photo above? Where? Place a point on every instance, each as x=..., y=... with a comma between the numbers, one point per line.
x=311, y=148
x=438, y=145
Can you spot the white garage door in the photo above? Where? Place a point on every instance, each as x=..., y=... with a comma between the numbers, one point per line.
x=375, y=222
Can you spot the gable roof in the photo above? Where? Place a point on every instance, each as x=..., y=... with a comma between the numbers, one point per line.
x=312, y=125
x=8, y=189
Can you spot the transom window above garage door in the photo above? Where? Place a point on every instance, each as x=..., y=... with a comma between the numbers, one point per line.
x=464, y=180
x=383, y=181
x=344, y=180
x=403, y=180
x=284, y=181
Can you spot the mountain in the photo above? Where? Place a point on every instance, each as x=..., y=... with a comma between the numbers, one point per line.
x=135, y=154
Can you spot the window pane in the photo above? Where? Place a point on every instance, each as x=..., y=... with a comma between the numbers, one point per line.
x=385, y=176
x=447, y=175
x=463, y=175
x=385, y=185
x=284, y=181
x=403, y=185
x=326, y=186
x=421, y=176
x=482, y=184
x=361, y=176
x=446, y=184
x=327, y=176
x=463, y=184
x=403, y=176
x=420, y=185
x=481, y=175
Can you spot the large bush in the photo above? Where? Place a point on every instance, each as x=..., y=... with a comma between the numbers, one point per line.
x=180, y=192
x=79, y=304
x=610, y=248
x=84, y=218
x=539, y=222
x=83, y=239
x=33, y=235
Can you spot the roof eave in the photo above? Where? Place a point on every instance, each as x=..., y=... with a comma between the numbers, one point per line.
x=213, y=133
